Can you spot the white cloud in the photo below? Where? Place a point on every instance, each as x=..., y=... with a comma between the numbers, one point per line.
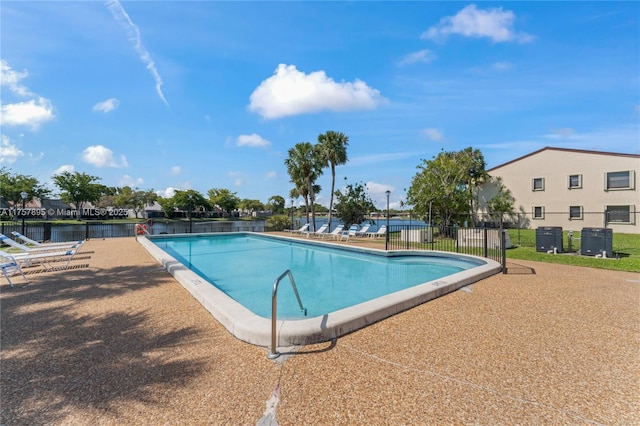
x=238, y=182
x=11, y=78
x=290, y=92
x=107, y=106
x=271, y=175
x=424, y=55
x=175, y=170
x=133, y=32
x=101, y=156
x=252, y=140
x=377, y=192
x=433, y=134
x=495, y=24
x=30, y=113
x=564, y=133
x=167, y=192
x=127, y=180
x=64, y=168
x=9, y=152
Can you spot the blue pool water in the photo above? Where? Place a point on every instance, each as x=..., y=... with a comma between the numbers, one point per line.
x=328, y=279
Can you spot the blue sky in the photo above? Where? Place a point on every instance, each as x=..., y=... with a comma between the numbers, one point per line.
x=198, y=95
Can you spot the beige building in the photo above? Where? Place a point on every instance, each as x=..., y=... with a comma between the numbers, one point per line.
x=571, y=188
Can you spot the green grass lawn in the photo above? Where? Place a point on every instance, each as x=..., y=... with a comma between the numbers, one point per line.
x=626, y=248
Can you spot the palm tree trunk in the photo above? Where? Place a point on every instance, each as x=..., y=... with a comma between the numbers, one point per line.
x=333, y=182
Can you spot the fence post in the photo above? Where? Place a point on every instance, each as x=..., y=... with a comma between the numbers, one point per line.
x=503, y=249
x=485, y=242
x=86, y=230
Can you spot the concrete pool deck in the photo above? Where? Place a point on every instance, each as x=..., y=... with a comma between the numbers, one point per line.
x=116, y=340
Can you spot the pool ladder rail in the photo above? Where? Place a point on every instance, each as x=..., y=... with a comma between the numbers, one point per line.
x=273, y=353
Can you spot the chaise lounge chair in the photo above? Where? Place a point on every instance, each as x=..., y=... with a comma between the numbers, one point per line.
x=46, y=259
x=336, y=232
x=304, y=228
x=351, y=232
x=40, y=249
x=362, y=232
x=319, y=233
x=10, y=266
x=381, y=232
x=38, y=244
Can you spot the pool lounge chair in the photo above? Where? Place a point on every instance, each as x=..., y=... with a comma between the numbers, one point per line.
x=10, y=266
x=362, y=232
x=381, y=232
x=26, y=249
x=38, y=244
x=319, y=233
x=46, y=259
x=351, y=232
x=336, y=232
x=304, y=228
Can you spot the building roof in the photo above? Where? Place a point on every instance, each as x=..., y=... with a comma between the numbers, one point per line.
x=580, y=151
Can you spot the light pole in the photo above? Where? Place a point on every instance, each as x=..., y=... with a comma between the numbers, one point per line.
x=386, y=243
x=24, y=196
x=292, y=227
x=190, y=210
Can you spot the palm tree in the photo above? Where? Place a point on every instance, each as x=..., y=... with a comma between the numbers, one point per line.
x=304, y=168
x=332, y=149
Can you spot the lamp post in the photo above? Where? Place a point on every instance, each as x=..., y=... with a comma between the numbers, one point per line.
x=190, y=210
x=292, y=227
x=24, y=196
x=386, y=243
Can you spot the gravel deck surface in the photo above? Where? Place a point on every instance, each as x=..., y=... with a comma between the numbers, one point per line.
x=116, y=340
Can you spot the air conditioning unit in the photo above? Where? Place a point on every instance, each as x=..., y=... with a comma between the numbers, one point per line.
x=549, y=238
x=595, y=241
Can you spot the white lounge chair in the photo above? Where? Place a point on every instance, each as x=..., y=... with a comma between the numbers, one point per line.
x=362, y=232
x=351, y=232
x=39, y=244
x=9, y=267
x=336, y=232
x=46, y=259
x=381, y=232
x=26, y=249
x=322, y=230
x=304, y=228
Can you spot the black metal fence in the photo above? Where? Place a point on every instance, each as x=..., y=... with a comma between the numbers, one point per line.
x=485, y=242
x=57, y=232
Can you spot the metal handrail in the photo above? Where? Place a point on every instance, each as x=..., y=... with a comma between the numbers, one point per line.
x=274, y=309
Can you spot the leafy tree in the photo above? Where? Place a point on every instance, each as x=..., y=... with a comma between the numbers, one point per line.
x=276, y=204
x=304, y=167
x=277, y=223
x=250, y=205
x=168, y=206
x=502, y=203
x=223, y=198
x=79, y=188
x=440, y=186
x=190, y=198
x=353, y=204
x=332, y=150
x=473, y=162
x=11, y=185
x=134, y=199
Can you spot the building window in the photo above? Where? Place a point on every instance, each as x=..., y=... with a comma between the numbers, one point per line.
x=575, y=181
x=538, y=212
x=619, y=180
x=537, y=184
x=575, y=213
x=620, y=214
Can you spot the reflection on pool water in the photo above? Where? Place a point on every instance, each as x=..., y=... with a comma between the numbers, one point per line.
x=343, y=288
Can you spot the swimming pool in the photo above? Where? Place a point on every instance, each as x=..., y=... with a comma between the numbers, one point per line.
x=343, y=288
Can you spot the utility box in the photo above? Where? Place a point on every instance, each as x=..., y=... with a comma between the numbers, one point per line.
x=549, y=238
x=596, y=241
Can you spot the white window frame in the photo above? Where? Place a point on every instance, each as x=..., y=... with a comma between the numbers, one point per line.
x=533, y=212
x=631, y=183
x=632, y=214
x=580, y=213
x=578, y=186
x=533, y=184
